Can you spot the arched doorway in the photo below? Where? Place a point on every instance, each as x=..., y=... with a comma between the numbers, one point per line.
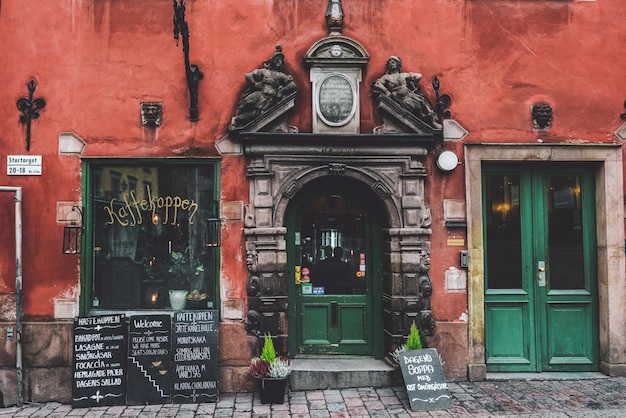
x=334, y=269
x=387, y=184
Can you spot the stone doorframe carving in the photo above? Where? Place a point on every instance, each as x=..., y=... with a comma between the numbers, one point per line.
x=396, y=176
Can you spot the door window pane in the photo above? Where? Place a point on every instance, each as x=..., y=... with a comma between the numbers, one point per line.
x=503, y=232
x=149, y=232
x=333, y=256
x=565, y=234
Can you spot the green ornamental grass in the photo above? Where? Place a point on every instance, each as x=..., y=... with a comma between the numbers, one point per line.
x=414, y=342
x=268, y=353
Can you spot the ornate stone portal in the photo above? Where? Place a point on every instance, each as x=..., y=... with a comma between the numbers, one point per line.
x=396, y=181
x=285, y=163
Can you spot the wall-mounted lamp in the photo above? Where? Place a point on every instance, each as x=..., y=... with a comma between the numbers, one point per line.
x=213, y=232
x=447, y=161
x=213, y=227
x=73, y=232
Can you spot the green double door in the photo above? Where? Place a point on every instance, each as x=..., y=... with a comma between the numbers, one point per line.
x=540, y=268
x=333, y=253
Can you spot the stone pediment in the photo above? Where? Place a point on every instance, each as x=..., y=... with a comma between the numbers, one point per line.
x=269, y=94
x=399, y=119
x=273, y=119
x=336, y=51
x=403, y=105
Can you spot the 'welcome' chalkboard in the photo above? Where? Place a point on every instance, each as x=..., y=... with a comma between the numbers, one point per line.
x=424, y=379
x=99, y=361
x=195, y=349
x=149, y=359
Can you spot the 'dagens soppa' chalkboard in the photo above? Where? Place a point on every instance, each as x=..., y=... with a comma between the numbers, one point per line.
x=424, y=380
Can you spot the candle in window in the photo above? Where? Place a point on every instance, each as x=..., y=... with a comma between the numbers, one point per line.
x=169, y=246
x=154, y=298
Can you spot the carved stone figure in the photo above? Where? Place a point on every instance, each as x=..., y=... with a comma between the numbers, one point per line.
x=426, y=219
x=426, y=321
x=424, y=265
x=267, y=86
x=542, y=115
x=249, y=221
x=254, y=286
x=253, y=323
x=151, y=114
x=404, y=89
x=426, y=291
x=252, y=260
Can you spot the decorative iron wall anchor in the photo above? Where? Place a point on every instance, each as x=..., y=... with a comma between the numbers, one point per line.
x=30, y=109
x=193, y=72
x=443, y=101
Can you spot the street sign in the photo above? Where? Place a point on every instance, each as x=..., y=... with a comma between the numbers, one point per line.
x=24, y=165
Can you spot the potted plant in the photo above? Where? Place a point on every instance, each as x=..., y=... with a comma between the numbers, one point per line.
x=182, y=271
x=271, y=371
x=413, y=342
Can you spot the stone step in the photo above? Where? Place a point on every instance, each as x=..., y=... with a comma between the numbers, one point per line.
x=318, y=373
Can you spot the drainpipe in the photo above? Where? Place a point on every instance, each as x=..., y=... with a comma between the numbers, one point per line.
x=18, y=288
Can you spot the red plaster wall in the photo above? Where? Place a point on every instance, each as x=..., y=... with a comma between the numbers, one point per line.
x=95, y=61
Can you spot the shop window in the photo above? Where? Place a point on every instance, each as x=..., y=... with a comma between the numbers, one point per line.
x=147, y=229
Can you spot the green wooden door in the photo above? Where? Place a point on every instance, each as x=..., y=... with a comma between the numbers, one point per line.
x=331, y=233
x=540, y=270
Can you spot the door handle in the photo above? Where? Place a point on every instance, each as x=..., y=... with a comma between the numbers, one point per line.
x=541, y=273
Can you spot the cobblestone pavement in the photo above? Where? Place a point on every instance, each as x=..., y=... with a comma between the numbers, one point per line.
x=604, y=397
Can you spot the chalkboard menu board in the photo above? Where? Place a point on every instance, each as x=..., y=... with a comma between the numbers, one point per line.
x=424, y=379
x=149, y=359
x=195, y=349
x=99, y=361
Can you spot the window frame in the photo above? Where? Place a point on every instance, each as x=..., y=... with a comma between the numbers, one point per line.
x=87, y=258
